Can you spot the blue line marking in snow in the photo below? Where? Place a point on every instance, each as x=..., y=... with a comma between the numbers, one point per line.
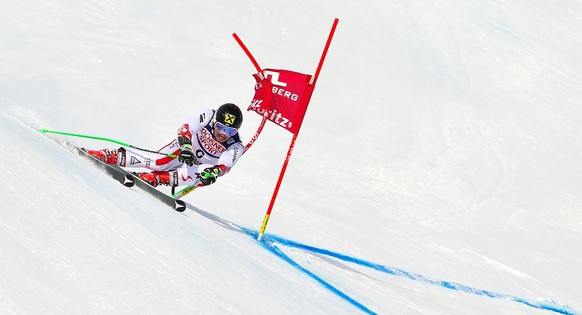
x=269, y=239
x=268, y=245
x=275, y=250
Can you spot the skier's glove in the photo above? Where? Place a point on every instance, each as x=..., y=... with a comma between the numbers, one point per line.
x=186, y=155
x=208, y=176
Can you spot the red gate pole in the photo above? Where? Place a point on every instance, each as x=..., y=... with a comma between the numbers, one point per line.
x=245, y=49
x=292, y=145
x=335, y=21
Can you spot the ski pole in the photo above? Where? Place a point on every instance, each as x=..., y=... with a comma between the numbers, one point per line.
x=104, y=139
x=184, y=191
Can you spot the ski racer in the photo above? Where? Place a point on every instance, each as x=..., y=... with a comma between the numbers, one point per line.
x=207, y=147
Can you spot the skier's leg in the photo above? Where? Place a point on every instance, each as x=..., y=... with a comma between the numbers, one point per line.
x=141, y=159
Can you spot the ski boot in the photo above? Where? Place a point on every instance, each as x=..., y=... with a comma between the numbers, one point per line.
x=157, y=178
x=109, y=156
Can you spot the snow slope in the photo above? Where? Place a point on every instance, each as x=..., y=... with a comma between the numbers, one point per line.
x=437, y=171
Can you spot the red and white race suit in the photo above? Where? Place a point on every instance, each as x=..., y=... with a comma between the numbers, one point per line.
x=208, y=151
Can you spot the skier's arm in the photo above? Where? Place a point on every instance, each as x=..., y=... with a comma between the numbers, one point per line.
x=229, y=158
x=194, y=124
x=225, y=163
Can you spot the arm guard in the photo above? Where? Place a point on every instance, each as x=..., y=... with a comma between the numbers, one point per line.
x=184, y=135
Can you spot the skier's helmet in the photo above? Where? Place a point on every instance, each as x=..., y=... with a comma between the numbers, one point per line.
x=229, y=115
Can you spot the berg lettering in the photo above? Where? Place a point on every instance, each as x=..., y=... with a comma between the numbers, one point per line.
x=277, y=90
x=285, y=93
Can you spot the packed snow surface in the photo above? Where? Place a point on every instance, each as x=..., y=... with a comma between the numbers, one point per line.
x=438, y=169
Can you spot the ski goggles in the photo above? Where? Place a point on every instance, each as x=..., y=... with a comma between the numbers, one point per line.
x=225, y=130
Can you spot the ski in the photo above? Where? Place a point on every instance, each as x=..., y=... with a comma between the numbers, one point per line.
x=129, y=180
